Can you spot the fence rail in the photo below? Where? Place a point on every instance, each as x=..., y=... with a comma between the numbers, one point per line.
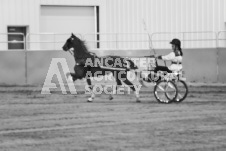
x=189, y=39
x=221, y=41
x=4, y=42
x=117, y=41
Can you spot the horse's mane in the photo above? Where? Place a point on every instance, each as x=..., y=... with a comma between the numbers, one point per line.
x=82, y=45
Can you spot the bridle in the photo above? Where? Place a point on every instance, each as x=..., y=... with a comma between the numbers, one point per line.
x=72, y=53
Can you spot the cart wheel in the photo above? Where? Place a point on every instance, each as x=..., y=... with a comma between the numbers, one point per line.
x=182, y=91
x=165, y=91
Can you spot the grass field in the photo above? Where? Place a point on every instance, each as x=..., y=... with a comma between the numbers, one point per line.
x=30, y=121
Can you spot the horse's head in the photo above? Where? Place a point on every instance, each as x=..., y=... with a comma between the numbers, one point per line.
x=71, y=42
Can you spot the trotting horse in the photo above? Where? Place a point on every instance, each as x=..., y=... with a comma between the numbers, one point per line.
x=89, y=62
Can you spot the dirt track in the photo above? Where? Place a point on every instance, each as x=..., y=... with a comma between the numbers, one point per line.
x=31, y=121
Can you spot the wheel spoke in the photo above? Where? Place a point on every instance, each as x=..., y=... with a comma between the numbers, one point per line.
x=179, y=95
x=170, y=85
x=165, y=92
x=161, y=88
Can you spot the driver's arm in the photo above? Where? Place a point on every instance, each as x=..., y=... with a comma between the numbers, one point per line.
x=168, y=57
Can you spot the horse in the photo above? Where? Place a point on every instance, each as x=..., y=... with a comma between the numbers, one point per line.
x=87, y=61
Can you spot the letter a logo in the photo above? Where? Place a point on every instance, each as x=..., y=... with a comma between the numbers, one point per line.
x=54, y=70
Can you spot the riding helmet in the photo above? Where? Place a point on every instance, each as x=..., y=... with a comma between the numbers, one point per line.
x=175, y=42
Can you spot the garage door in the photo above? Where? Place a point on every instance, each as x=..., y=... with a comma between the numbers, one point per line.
x=65, y=19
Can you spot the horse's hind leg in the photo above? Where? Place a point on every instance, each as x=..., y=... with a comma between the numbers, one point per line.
x=118, y=82
x=90, y=99
x=126, y=81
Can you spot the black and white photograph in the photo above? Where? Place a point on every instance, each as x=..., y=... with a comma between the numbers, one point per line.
x=112, y=75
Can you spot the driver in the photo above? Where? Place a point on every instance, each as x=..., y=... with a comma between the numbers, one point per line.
x=175, y=56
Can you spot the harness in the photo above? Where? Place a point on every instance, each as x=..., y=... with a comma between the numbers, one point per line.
x=81, y=63
x=176, y=63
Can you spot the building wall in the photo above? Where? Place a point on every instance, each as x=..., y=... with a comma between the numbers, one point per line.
x=27, y=12
x=209, y=69
x=167, y=16
x=123, y=16
x=127, y=16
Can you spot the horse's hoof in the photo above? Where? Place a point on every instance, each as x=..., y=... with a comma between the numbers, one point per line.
x=110, y=97
x=90, y=100
x=138, y=100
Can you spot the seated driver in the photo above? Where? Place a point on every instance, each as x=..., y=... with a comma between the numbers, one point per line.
x=175, y=56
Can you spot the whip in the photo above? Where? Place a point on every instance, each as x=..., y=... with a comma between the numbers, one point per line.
x=150, y=40
x=149, y=37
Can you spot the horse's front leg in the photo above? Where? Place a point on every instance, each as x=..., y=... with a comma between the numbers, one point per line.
x=90, y=99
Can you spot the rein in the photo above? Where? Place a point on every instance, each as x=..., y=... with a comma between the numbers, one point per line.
x=71, y=52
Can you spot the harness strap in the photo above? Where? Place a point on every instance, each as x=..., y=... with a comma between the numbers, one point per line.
x=113, y=68
x=176, y=63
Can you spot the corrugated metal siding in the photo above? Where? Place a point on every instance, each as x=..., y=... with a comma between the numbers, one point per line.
x=167, y=16
x=18, y=13
x=125, y=16
x=70, y=2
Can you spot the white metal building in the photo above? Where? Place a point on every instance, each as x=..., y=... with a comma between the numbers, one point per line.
x=114, y=16
x=111, y=24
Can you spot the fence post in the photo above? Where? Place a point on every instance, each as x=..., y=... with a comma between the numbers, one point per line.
x=217, y=39
x=25, y=51
x=217, y=47
x=54, y=38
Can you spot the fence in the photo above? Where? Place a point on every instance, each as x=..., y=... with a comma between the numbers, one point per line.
x=119, y=41
x=101, y=41
x=31, y=64
x=203, y=39
x=47, y=41
x=4, y=42
x=221, y=39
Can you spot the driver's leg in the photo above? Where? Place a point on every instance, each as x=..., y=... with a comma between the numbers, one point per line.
x=162, y=68
x=157, y=76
